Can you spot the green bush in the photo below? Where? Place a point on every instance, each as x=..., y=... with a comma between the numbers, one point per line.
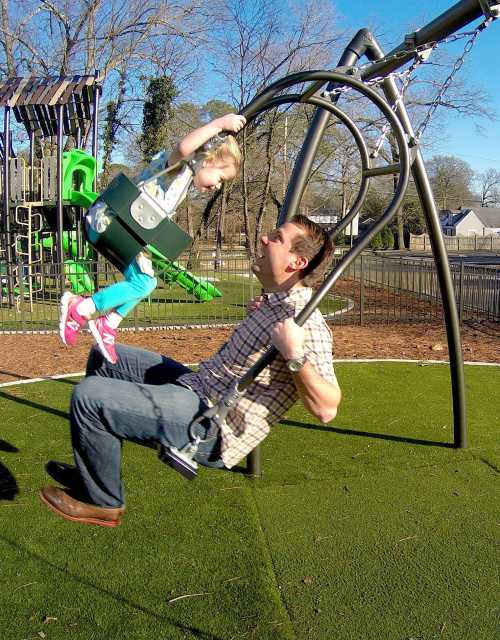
x=376, y=242
x=387, y=238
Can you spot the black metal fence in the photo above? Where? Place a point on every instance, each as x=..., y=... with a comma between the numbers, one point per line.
x=375, y=288
x=391, y=289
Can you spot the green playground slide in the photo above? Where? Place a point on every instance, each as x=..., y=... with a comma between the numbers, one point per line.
x=79, y=277
x=169, y=272
x=83, y=199
x=79, y=170
x=77, y=269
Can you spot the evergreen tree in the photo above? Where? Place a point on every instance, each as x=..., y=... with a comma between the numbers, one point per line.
x=376, y=242
x=157, y=112
x=387, y=238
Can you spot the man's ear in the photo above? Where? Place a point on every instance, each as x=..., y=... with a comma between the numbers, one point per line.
x=299, y=262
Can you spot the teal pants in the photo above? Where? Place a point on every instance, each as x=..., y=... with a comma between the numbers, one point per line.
x=123, y=296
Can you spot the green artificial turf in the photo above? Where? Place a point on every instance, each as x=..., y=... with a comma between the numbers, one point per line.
x=169, y=304
x=369, y=528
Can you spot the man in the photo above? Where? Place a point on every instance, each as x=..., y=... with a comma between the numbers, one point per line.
x=145, y=396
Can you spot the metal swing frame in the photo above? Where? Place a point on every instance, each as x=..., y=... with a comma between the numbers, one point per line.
x=183, y=460
x=410, y=158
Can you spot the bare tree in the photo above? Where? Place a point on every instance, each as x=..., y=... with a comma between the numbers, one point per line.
x=257, y=43
x=451, y=180
x=57, y=37
x=7, y=41
x=489, y=188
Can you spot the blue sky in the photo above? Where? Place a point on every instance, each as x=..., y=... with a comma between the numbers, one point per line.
x=390, y=20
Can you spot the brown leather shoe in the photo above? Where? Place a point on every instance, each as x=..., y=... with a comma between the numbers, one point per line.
x=67, y=507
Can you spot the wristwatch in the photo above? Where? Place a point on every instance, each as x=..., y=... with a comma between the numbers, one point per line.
x=296, y=364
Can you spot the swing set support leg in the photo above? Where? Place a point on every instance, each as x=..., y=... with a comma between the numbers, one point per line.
x=450, y=312
x=363, y=43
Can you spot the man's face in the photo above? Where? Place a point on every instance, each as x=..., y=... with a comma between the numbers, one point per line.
x=212, y=174
x=275, y=262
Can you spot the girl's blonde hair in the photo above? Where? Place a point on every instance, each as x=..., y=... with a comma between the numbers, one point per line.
x=228, y=152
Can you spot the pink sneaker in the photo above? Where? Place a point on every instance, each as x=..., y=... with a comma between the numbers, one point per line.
x=70, y=321
x=105, y=337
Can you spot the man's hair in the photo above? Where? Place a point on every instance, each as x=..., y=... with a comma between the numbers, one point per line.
x=316, y=246
x=228, y=153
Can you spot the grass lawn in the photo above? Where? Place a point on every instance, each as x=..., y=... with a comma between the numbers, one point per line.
x=371, y=528
x=170, y=304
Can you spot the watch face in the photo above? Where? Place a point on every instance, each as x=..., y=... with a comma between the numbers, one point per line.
x=296, y=365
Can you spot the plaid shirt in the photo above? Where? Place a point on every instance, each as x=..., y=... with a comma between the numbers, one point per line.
x=273, y=391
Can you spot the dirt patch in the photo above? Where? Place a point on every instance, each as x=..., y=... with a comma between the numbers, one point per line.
x=37, y=355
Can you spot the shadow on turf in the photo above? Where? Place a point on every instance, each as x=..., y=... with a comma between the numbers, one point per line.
x=366, y=434
x=198, y=633
x=35, y=405
x=16, y=376
x=65, y=381
x=8, y=484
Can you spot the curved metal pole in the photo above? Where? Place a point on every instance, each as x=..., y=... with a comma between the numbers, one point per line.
x=303, y=164
x=404, y=155
x=302, y=168
x=450, y=311
x=266, y=100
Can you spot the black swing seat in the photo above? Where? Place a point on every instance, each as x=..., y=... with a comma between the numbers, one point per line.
x=136, y=221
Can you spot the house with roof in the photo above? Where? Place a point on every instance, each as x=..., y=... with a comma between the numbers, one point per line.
x=476, y=221
x=328, y=217
x=325, y=216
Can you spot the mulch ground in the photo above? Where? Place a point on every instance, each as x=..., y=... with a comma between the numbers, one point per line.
x=38, y=355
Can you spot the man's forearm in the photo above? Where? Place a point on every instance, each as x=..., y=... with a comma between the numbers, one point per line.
x=320, y=397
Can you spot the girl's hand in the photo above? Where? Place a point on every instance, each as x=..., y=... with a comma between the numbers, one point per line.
x=231, y=122
x=254, y=304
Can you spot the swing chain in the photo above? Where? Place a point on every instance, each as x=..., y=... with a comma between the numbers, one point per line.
x=406, y=78
x=447, y=83
x=421, y=53
x=427, y=47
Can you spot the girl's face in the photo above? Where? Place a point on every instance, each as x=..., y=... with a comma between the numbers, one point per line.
x=212, y=174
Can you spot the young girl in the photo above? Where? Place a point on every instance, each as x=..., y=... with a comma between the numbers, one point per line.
x=115, y=302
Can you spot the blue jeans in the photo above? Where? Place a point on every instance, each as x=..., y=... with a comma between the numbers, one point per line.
x=125, y=295
x=136, y=399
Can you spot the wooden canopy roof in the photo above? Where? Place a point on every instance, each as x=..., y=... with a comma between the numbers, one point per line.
x=34, y=101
